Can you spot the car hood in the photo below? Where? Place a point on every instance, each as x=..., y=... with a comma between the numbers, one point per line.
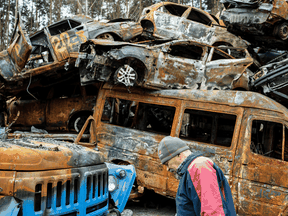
x=45, y=154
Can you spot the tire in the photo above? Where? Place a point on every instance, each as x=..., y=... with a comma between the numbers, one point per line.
x=79, y=123
x=283, y=31
x=126, y=75
x=114, y=212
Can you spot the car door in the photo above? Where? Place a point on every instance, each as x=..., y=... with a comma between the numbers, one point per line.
x=262, y=185
x=66, y=37
x=167, y=19
x=196, y=25
x=222, y=69
x=179, y=65
x=14, y=59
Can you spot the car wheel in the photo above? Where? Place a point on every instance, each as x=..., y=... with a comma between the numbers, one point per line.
x=105, y=36
x=283, y=31
x=126, y=75
x=79, y=122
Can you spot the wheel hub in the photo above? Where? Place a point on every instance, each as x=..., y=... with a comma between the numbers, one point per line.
x=126, y=75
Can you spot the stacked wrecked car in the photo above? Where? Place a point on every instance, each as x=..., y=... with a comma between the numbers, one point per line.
x=179, y=71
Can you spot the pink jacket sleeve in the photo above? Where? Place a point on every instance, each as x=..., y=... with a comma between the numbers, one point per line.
x=204, y=179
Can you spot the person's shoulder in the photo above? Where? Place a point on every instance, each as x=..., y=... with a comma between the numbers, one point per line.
x=200, y=163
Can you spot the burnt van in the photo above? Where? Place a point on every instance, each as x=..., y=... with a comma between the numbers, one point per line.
x=245, y=133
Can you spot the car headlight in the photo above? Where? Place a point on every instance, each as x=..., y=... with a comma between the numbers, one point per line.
x=121, y=173
x=112, y=183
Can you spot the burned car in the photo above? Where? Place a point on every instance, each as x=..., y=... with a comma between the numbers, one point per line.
x=244, y=132
x=172, y=64
x=171, y=20
x=63, y=107
x=52, y=51
x=262, y=23
x=272, y=79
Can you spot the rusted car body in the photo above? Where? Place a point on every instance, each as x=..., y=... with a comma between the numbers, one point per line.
x=245, y=133
x=55, y=49
x=48, y=177
x=62, y=107
x=14, y=59
x=176, y=21
x=174, y=64
x=262, y=23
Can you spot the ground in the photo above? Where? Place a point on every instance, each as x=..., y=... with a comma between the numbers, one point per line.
x=151, y=204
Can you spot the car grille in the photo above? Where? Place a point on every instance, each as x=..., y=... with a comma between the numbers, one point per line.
x=83, y=191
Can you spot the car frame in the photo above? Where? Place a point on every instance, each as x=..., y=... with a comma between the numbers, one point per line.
x=262, y=23
x=63, y=107
x=162, y=64
x=49, y=54
x=186, y=22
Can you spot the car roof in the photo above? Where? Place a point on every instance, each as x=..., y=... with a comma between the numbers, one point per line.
x=227, y=97
x=77, y=18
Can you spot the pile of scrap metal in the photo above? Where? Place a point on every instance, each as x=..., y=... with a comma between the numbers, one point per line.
x=172, y=46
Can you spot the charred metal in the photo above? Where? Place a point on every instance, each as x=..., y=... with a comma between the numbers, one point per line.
x=162, y=64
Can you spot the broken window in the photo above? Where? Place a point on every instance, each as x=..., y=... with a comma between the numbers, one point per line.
x=235, y=52
x=63, y=26
x=219, y=55
x=176, y=10
x=186, y=51
x=267, y=139
x=208, y=127
x=199, y=17
x=140, y=116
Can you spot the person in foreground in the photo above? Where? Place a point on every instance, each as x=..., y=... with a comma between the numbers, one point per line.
x=203, y=189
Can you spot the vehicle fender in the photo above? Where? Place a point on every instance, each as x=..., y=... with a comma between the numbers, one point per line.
x=139, y=53
x=124, y=185
x=9, y=206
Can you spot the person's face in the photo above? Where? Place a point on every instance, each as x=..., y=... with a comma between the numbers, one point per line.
x=173, y=164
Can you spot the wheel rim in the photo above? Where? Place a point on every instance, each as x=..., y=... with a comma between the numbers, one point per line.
x=126, y=75
x=105, y=36
x=283, y=31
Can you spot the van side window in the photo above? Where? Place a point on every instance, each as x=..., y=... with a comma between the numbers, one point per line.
x=208, y=127
x=140, y=116
x=267, y=139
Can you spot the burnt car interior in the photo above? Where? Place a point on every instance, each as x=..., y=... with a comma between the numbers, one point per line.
x=63, y=26
x=208, y=127
x=40, y=54
x=140, y=116
x=186, y=51
x=267, y=139
x=199, y=17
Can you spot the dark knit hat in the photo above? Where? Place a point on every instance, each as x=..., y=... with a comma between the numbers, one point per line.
x=169, y=147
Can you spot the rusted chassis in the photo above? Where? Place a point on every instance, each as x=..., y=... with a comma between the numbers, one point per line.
x=258, y=183
x=156, y=67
